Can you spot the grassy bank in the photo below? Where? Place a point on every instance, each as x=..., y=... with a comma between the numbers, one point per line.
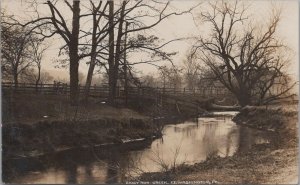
x=44, y=137
x=265, y=163
x=38, y=124
x=273, y=118
x=30, y=109
x=180, y=105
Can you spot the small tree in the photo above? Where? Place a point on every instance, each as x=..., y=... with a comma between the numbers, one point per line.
x=191, y=71
x=170, y=77
x=16, y=45
x=45, y=77
x=56, y=23
x=38, y=50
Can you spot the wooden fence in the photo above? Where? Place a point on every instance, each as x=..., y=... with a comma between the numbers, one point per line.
x=103, y=90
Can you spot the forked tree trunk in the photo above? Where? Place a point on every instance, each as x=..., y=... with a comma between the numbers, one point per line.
x=93, y=56
x=114, y=61
x=118, y=50
x=91, y=70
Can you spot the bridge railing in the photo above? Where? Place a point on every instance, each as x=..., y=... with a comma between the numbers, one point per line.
x=205, y=92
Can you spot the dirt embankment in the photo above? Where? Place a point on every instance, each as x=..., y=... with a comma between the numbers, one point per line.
x=264, y=163
x=38, y=124
x=271, y=118
x=35, y=124
x=20, y=140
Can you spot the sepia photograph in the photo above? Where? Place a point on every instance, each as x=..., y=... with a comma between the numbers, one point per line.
x=149, y=91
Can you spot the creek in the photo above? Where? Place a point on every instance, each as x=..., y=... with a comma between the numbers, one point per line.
x=188, y=142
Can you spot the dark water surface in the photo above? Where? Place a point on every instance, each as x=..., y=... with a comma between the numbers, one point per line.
x=188, y=142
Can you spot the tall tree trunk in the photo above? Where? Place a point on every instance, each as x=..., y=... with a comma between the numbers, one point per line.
x=89, y=78
x=118, y=53
x=73, y=54
x=112, y=88
x=74, y=63
x=244, y=98
x=125, y=66
x=93, y=58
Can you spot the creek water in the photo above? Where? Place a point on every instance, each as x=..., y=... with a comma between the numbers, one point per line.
x=189, y=142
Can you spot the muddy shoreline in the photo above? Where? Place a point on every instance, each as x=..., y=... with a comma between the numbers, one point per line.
x=264, y=163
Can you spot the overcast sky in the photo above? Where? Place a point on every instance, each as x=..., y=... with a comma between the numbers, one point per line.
x=184, y=26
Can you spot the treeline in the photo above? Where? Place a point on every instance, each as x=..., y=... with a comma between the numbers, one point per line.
x=191, y=75
x=249, y=61
x=99, y=32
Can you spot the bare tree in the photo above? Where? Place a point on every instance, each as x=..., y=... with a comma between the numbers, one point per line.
x=241, y=56
x=131, y=13
x=192, y=71
x=97, y=37
x=45, y=77
x=16, y=55
x=141, y=42
x=111, y=53
x=171, y=77
x=30, y=76
x=57, y=24
x=86, y=41
x=149, y=80
x=38, y=50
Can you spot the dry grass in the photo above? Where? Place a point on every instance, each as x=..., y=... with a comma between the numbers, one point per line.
x=44, y=123
x=30, y=109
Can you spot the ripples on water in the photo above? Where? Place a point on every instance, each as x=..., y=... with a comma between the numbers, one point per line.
x=188, y=142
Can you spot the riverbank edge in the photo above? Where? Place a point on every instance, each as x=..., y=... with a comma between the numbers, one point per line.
x=256, y=166
x=46, y=137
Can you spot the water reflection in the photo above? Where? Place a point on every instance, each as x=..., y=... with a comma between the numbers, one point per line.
x=189, y=142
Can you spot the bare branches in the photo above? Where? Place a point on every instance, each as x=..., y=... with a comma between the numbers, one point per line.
x=247, y=63
x=69, y=5
x=16, y=48
x=161, y=16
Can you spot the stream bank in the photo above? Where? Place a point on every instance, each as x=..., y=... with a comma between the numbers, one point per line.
x=272, y=163
x=35, y=125
x=23, y=140
x=193, y=140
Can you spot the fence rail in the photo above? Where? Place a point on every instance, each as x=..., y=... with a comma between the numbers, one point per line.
x=102, y=90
